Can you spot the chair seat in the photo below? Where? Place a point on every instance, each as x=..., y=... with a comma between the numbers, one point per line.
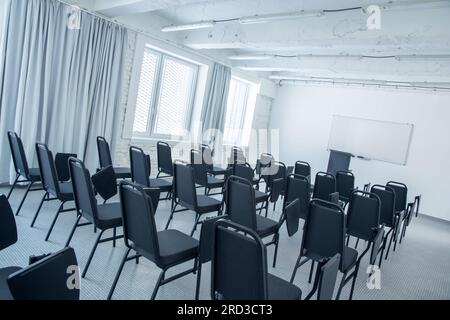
x=280, y=289
x=109, y=215
x=349, y=259
x=122, y=172
x=175, y=246
x=213, y=182
x=35, y=174
x=265, y=227
x=5, y=294
x=261, y=196
x=161, y=184
x=66, y=190
x=207, y=204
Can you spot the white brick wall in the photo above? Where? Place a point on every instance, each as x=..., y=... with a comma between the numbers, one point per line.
x=180, y=151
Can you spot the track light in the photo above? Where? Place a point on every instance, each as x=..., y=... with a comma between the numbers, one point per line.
x=190, y=26
x=281, y=16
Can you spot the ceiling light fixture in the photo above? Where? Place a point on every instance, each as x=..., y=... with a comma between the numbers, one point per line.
x=281, y=16
x=189, y=26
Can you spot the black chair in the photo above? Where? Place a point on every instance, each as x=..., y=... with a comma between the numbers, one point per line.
x=104, y=155
x=140, y=174
x=326, y=279
x=298, y=187
x=185, y=195
x=275, y=178
x=241, y=208
x=363, y=222
x=239, y=267
x=166, y=249
x=104, y=216
x=401, y=195
x=324, y=237
x=409, y=213
x=324, y=185
x=303, y=168
x=417, y=200
x=55, y=277
x=202, y=176
x=345, y=185
x=61, y=191
x=245, y=171
x=388, y=216
x=207, y=156
x=29, y=175
x=8, y=237
x=165, y=163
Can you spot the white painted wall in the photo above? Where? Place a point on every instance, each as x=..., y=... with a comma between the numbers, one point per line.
x=303, y=115
x=2, y=17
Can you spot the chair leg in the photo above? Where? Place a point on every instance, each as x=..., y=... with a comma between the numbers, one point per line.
x=38, y=209
x=54, y=221
x=341, y=286
x=357, y=242
x=114, y=237
x=92, y=254
x=158, y=284
x=197, y=219
x=311, y=271
x=354, y=282
x=382, y=251
x=275, y=253
x=295, y=268
x=389, y=246
x=73, y=231
x=348, y=240
x=199, y=276
x=13, y=186
x=116, y=279
x=171, y=216
x=267, y=208
x=24, y=197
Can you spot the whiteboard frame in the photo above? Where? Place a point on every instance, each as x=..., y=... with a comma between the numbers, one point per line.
x=363, y=157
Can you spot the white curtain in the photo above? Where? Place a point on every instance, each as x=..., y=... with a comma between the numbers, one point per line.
x=59, y=83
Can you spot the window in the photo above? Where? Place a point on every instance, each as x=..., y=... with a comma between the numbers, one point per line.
x=240, y=110
x=165, y=96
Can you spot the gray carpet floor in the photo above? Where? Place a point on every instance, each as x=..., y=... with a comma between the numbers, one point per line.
x=418, y=269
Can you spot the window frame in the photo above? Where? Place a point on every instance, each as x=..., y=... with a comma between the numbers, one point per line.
x=156, y=96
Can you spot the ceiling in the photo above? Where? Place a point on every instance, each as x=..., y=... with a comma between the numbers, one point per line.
x=415, y=35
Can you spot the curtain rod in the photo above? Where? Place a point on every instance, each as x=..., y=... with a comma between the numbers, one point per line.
x=152, y=36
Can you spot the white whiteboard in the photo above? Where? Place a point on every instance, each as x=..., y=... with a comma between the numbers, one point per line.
x=371, y=139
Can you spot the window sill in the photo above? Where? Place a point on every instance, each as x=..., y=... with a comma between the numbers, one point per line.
x=155, y=139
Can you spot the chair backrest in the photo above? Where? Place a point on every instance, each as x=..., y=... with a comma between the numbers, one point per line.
x=387, y=204
x=62, y=165
x=302, y=168
x=241, y=206
x=239, y=263
x=199, y=167
x=363, y=215
x=298, y=187
x=55, y=277
x=244, y=171
x=184, y=185
x=327, y=278
x=104, y=182
x=139, y=166
x=165, y=163
x=47, y=169
x=8, y=228
x=83, y=192
x=277, y=171
x=324, y=185
x=18, y=154
x=324, y=230
x=104, y=153
x=139, y=227
x=207, y=156
x=401, y=194
x=345, y=184
x=237, y=156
